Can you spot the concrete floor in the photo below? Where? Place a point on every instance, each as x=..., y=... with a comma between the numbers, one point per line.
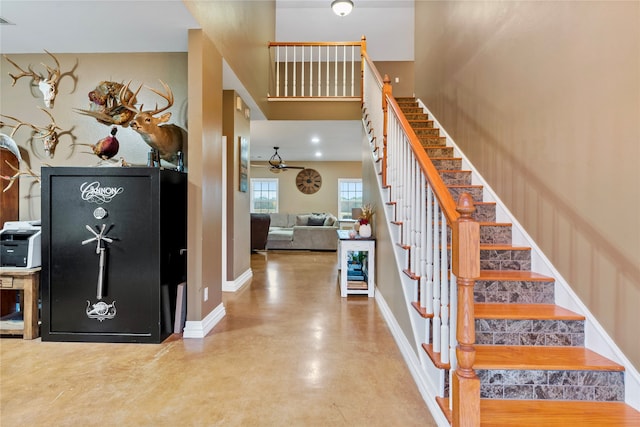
x=290, y=352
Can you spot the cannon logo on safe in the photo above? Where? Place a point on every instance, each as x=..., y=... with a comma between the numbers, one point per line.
x=94, y=193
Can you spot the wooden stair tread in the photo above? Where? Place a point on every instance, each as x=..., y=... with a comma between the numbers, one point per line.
x=514, y=275
x=511, y=357
x=551, y=413
x=524, y=311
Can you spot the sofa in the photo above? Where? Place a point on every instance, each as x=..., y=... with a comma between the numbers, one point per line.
x=306, y=231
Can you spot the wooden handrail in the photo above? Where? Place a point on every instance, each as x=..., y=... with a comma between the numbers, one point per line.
x=272, y=44
x=441, y=191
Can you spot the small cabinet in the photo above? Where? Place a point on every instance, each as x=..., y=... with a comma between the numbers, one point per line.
x=357, y=265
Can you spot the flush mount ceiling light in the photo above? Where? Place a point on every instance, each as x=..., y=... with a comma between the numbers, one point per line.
x=342, y=7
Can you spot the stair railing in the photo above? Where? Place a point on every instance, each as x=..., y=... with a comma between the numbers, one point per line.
x=315, y=71
x=440, y=238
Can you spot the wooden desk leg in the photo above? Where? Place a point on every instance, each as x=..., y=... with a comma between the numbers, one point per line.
x=31, y=329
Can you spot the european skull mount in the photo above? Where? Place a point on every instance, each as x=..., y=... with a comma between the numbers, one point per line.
x=48, y=86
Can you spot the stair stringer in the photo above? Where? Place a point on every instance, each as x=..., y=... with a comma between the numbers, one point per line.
x=429, y=379
x=596, y=338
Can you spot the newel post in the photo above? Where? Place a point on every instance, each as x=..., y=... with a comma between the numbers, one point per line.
x=386, y=91
x=465, y=387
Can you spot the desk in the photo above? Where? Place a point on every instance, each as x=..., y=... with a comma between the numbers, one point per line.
x=26, y=280
x=347, y=246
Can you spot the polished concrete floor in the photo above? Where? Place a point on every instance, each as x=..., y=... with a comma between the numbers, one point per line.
x=290, y=352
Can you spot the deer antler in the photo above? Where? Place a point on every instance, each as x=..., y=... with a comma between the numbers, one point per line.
x=35, y=76
x=19, y=124
x=168, y=96
x=13, y=178
x=127, y=102
x=54, y=74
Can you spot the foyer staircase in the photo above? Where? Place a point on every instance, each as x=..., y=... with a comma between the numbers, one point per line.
x=530, y=356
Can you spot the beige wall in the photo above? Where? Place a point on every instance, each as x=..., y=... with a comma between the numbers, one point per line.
x=236, y=125
x=403, y=71
x=139, y=68
x=204, y=234
x=325, y=200
x=544, y=98
x=240, y=31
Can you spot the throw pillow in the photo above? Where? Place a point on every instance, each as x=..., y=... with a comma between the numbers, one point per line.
x=329, y=221
x=316, y=220
x=302, y=219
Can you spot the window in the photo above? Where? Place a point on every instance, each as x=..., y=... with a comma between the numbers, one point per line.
x=349, y=196
x=264, y=195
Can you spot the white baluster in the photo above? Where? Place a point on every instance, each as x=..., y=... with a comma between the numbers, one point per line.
x=437, y=321
x=444, y=294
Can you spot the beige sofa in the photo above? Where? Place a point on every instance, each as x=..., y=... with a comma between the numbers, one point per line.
x=307, y=231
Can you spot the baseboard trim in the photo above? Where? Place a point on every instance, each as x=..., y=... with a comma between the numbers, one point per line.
x=200, y=328
x=412, y=362
x=240, y=281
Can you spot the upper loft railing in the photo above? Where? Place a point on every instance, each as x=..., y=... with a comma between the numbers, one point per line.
x=314, y=71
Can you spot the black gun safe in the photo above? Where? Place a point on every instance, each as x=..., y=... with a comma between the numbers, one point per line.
x=113, y=252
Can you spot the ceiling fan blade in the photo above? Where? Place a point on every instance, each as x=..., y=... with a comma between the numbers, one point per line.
x=293, y=167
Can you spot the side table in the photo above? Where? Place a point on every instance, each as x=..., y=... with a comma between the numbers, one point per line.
x=27, y=281
x=348, y=246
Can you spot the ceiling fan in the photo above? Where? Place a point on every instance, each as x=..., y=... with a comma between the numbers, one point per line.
x=276, y=164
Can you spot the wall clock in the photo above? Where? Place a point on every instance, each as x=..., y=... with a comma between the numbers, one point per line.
x=308, y=181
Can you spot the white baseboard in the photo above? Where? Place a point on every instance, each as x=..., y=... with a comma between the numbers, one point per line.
x=234, y=285
x=200, y=328
x=413, y=363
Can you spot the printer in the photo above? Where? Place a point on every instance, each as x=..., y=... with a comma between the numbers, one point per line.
x=20, y=244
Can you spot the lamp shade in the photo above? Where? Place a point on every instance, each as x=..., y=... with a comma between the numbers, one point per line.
x=342, y=7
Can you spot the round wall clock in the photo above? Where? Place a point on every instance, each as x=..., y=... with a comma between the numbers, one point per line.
x=308, y=181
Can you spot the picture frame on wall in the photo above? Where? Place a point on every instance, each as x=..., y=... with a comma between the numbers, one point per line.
x=244, y=164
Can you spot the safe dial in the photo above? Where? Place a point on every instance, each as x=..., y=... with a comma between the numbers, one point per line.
x=100, y=213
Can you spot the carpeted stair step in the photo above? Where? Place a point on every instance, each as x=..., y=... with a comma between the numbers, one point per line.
x=410, y=109
x=416, y=116
x=421, y=123
x=528, y=324
x=475, y=191
x=455, y=177
x=439, y=151
x=447, y=163
x=426, y=131
x=431, y=140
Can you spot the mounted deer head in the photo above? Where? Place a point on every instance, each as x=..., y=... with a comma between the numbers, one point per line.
x=167, y=138
x=49, y=133
x=47, y=85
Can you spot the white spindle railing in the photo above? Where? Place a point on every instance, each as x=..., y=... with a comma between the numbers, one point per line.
x=332, y=68
x=424, y=216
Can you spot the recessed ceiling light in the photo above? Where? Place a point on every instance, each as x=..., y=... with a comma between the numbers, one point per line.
x=315, y=139
x=318, y=154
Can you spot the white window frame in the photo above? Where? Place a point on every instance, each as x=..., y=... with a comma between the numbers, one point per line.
x=252, y=192
x=342, y=181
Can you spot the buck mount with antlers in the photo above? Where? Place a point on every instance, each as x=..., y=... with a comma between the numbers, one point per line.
x=166, y=138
